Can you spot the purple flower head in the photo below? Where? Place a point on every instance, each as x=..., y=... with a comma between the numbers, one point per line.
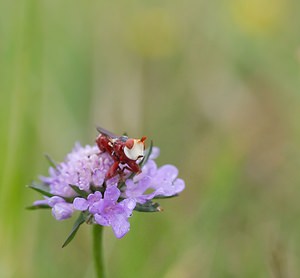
x=79, y=184
x=108, y=211
x=83, y=167
x=83, y=204
x=161, y=182
x=61, y=210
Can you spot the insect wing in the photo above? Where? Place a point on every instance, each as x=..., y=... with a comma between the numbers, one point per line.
x=106, y=132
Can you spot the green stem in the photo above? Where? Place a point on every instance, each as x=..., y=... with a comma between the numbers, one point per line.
x=98, y=250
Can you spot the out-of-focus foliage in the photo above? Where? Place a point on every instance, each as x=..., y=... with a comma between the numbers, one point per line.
x=215, y=84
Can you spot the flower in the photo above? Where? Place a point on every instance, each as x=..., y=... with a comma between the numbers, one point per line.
x=61, y=210
x=79, y=184
x=83, y=167
x=162, y=181
x=107, y=211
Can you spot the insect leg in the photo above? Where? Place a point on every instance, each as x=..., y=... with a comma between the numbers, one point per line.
x=113, y=170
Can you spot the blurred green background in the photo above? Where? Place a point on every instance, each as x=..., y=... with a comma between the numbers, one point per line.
x=215, y=84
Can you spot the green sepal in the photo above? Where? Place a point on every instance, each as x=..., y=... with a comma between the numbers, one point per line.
x=41, y=188
x=33, y=207
x=52, y=163
x=148, y=207
x=165, y=197
x=80, y=192
x=147, y=155
x=80, y=220
x=94, y=188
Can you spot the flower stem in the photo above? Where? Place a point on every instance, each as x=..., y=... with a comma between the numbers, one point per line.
x=98, y=250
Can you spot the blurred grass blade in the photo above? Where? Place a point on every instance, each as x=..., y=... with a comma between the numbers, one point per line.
x=81, y=219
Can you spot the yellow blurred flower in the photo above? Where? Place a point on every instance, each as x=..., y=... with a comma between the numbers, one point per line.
x=151, y=33
x=258, y=16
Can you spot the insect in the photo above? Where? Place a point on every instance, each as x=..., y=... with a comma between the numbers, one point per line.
x=122, y=149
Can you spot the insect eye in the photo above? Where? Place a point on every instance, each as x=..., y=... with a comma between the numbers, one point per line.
x=129, y=143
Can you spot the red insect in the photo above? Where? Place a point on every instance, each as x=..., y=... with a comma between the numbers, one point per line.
x=122, y=149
